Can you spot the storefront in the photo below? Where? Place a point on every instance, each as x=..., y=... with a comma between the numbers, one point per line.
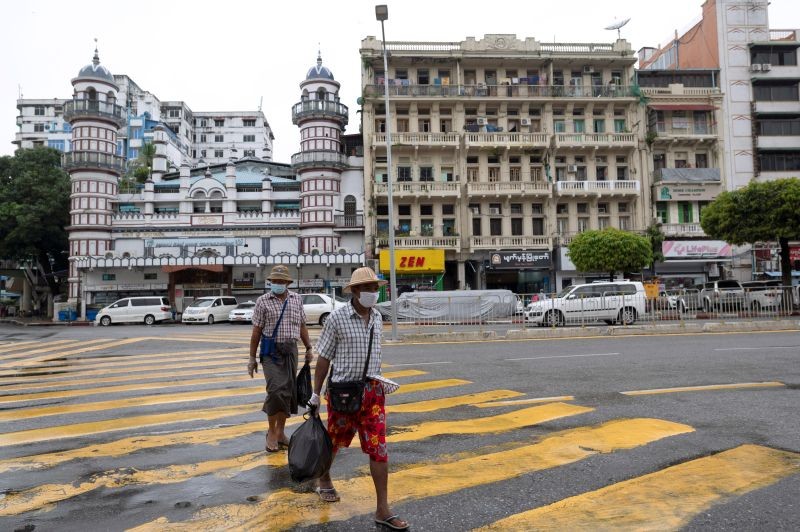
x=416, y=269
x=688, y=263
x=522, y=272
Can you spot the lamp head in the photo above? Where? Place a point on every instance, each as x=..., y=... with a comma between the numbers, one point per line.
x=382, y=12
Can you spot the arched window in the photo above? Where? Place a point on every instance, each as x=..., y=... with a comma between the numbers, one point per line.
x=305, y=95
x=91, y=95
x=350, y=218
x=321, y=94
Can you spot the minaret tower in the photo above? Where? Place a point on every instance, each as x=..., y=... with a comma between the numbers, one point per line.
x=321, y=160
x=93, y=165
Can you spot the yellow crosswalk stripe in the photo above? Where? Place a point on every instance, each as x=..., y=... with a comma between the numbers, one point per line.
x=44, y=347
x=448, y=402
x=38, y=360
x=166, y=358
x=15, y=346
x=105, y=371
x=193, y=437
x=285, y=509
x=485, y=425
x=528, y=401
x=39, y=496
x=706, y=388
x=665, y=500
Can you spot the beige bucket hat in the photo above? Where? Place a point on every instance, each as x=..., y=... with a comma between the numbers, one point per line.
x=365, y=275
x=280, y=273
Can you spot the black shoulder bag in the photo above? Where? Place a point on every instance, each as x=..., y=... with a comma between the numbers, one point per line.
x=346, y=397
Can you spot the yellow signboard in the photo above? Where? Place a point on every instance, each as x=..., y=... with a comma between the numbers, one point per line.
x=414, y=261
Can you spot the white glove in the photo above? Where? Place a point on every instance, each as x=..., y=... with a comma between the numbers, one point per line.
x=314, y=401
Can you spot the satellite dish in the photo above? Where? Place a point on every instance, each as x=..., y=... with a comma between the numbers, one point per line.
x=618, y=25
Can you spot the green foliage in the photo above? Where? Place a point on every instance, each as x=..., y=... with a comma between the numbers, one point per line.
x=759, y=212
x=34, y=206
x=141, y=168
x=656, y=238
x=610, y=250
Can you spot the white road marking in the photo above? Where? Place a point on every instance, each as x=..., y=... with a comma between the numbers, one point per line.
x=757, y=348
x=564, y=356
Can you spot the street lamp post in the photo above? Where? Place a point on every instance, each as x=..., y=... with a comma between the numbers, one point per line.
x=381, y=14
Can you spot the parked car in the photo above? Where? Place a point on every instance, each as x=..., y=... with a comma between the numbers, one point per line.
x=611, y=302
x=689, y=299
x=243, y=313
x=209, y=309
x=726, y=294
x=763, y=294
x=319, y=306
x=147, y=310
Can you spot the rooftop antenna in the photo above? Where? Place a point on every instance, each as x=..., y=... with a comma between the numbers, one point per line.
x=617, y=25
x=260, y=103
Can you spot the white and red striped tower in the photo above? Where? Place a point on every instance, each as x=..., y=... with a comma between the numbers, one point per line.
x=321, y=160
x=93, y=165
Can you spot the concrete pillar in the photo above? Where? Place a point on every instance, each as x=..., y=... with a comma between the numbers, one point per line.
x=462, y=275
x=25, y=301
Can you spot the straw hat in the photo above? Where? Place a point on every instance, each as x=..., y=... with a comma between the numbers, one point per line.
x=280, y=273
x=364, y=275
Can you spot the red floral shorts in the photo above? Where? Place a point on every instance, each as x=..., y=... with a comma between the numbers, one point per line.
x=369, y=422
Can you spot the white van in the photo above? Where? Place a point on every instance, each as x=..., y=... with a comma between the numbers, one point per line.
x=209, y=309
x=147, y=310
x=611, y=302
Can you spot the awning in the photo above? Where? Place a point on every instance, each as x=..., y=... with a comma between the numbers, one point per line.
x=207, y=267
x=682, y=107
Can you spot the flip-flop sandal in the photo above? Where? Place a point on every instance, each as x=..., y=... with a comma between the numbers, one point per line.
x=388, y=523
x=330, y=492
x=283, y=445
x=273, y=450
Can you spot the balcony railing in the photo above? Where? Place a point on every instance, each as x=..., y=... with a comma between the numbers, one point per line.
x=691, y=130
x=510, y=242
x=508, y=139
x=414, y=139
x=77, y=160
x=319, y=109
x=501, y=91
x=419, y=188
x=595, y=139
x=598, y=187
x=677, y=89
x=342, y=221
x=321, y=158
x=503, y=188
x=441, y=242
x=95, y=109
x=682, y=230
x=782, y=35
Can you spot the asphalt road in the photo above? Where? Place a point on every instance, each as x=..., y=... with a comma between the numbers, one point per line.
x=160, y=428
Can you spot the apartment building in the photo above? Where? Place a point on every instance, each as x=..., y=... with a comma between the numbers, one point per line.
x=502, y=150
x=218, y=136
x=760, y=105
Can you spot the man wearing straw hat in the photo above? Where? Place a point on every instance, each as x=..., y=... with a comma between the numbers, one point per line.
x=279, y=313
x=350, y=332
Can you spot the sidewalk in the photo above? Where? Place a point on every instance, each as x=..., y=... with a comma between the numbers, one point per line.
x=38, y=322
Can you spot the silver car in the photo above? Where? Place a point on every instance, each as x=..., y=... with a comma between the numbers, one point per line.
x=726, y=294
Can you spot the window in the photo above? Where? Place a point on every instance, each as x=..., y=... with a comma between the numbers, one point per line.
x=685, y=212
x=537, y=208
x=773, y=56
x=599, y=125
x=700, y=160
x=516, y=226
x=202, y=138
x=219, y=122
x=583, y=224
x=779, y=161
x=622, y=207
x=476, y=227
x=625, y=223
x=174, y=113
x=775, y=92
x=404, y=210
x=426, y=210
x=602, y=222
x=249, y=153
x=424, y=125
x=219, y=154
x=448, y=227
x=249, y=122
x=619, y=125
x=538, y=227
x=559, y=126
x=578, y=126
x=516, y=208
x=383, y=210
x=150, y=276
x=249, y=138
x=496, y=226
x=779, y=126
x=448, y=209
x=583, y=208
x=109, y=276
x=562, y=226
x=426, y=173
x=562, y=208
x=38, y=128
x=662, y=212
x=219, y=138
x=38, y=110
x=495, y=208
x=404, y=173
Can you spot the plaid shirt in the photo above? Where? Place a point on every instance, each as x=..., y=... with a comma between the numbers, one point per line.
x=344, y=341
x=268, y=310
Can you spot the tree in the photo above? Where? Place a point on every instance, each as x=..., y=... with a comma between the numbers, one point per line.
x=34, y=208
x=142, y=167
x=656, y=238
x=610, y=250
x=759, y=212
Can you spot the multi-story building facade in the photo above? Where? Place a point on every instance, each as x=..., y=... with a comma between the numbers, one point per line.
x=211, y=229
x=759, y=78
x=502, y=150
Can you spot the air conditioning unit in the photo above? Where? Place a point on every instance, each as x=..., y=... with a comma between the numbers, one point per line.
x=111, y=255
x=525, y=121
x=481, y=121
x=572, y=168
x=755, y=67
x=315, y=251
x=588, y=69
x=766, y=67
x=494, y=210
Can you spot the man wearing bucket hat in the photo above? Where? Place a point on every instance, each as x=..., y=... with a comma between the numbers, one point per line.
x=351, y=340
x=279, y=313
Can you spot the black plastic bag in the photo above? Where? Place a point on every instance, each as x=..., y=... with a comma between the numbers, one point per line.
x=310, y=450
x=304, y=389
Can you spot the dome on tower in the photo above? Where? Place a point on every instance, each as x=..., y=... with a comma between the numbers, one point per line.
x=95, y=70
x=318, y=71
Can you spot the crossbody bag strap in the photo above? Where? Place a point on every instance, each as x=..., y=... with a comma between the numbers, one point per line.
x=278, y=323
x=369, y=353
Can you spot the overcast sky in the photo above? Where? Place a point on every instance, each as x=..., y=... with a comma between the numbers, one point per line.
x=227, y=55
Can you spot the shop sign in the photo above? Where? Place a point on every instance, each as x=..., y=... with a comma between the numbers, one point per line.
x=521, y=259
x=126, y=287
x=193, y=242
x=311, y=283
x=414, y=261
x=239, y=284
x=695, y=249
x=794, y=254
x=687, y=192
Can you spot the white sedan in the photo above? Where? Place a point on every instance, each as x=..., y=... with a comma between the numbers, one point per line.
x=318, y=306
x=243, y=313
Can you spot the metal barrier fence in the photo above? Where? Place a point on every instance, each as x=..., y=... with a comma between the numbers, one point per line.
x=418, y=313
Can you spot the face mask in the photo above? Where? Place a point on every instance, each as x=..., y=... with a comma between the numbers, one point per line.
x=368, y=299
x=277, y=288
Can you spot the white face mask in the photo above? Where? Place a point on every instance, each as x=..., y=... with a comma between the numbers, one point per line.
x=368, y=299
